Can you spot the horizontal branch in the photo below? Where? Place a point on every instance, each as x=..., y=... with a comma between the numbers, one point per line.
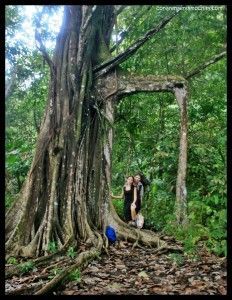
x=201, y=67
x=108, y=65
x=128, y=85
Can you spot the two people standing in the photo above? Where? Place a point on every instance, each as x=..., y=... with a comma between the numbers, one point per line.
x=132, y=193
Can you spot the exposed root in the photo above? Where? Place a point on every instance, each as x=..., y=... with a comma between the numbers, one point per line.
x=12, y=271
x=105, y=244
x=15, y=270
x=56, y=264
x=136, y=242
x=29, y=290
x=134, y=235
x=81, y=260
x=53, y=260
x=138, y=237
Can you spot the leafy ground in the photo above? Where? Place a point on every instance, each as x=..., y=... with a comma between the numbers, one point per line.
x=139, y=271
x=128, y=270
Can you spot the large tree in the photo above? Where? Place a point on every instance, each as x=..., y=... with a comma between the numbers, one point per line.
x=66, y=196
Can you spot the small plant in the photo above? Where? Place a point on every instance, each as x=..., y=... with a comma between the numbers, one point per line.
x=26, y=267
x=54, y=272
x=193, y=256
x=12, y=261
x=52, y=247
x=176, y=258
x=75, y=276
x=71, y=252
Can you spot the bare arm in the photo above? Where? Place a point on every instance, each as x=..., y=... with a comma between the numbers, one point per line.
x=133, y=206
x=141, y=193
x=117, y=197
x=135, y=195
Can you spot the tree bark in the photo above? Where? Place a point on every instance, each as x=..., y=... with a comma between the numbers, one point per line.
x=181, y=191
x=66, y=191
x=129, y=84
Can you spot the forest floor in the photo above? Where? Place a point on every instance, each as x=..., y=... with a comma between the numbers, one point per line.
x=139, y=271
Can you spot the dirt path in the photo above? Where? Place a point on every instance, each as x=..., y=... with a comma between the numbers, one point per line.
x=140, y=271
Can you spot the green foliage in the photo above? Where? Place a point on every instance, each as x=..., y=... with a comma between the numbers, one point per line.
x=212, y=237
x=54, y=272
x=75, y=276
x=157, y=205
x=210, y=212
x=71, y=252
x=26, y=267
x=219, y=247
x=12, y=261
x=176, y=258
x=13, y=24
x=118, y=204
x=52, y=247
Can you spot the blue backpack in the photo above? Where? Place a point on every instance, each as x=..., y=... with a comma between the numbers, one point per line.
x=111, y=234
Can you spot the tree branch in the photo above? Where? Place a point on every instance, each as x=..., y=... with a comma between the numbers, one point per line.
x=40, y=44
x=107, y=65
x=36, y=122
x=128, y=85
x=43, y=50
x=201, y=67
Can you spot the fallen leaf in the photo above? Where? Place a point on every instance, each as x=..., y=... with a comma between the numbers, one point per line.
x=113, y=288
x=68, y=292
x=143, y=275
x=222, y=290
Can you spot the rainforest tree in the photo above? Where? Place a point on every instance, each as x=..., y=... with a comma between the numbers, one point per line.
x=66, y=195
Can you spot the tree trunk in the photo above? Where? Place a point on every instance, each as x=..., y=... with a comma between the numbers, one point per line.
x=181, y=191
x=66, y=194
